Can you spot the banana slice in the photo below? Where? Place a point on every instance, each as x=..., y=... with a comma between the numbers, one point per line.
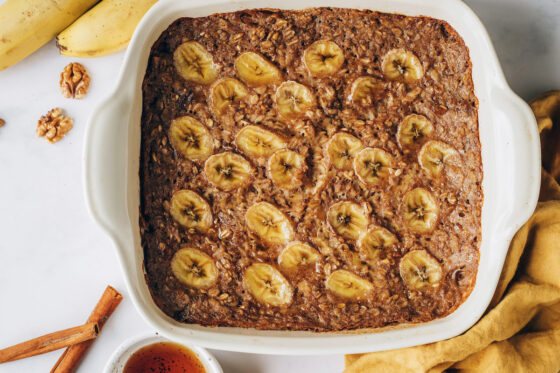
x=414, y=129
x=323, y=58
x=225, y=93
x=194, y=63
x=375, y=240
x=420, y=211
x=228, y=170
x=255, y=70
x=191, y=210
x=191, y=138
x=341, y=150
x=286, y=169
x=346, y=284
x=437, y=157
x=365, y=90
x=269, y=223
x=297, y=254
x=420, y=270
x=258, y=142
x=293, y=100
x=267, y=284
x=373, y=165
x=399, y=64
x=194, y=268
x=347, y=219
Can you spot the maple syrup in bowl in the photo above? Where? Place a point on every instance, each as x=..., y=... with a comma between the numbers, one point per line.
x=153, y=353
x=164, y=357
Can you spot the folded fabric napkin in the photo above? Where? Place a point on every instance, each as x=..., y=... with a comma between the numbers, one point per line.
x=520, y=331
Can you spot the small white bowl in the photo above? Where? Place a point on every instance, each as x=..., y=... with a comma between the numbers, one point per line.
x=121, y=355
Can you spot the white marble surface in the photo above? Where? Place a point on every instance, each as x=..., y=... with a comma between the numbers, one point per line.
x=55, y=262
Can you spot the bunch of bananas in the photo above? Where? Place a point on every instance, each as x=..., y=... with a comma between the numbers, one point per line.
x=260, y=146
x=81, y=28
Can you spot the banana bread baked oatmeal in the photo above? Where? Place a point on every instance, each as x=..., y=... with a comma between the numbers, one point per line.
x=310, y=170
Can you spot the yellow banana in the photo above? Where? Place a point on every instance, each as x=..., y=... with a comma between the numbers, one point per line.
x=105, y=29
x=25, y=25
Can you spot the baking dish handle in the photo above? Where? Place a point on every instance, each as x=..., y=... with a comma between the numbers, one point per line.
x=106, y=165
x=527, y=160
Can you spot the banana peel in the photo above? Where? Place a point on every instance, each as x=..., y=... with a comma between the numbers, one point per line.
x=26, y=25
x=105, y=29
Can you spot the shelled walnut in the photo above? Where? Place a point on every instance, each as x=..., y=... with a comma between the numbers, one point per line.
x=53, y=125
x=2, y=122
x=74, y=81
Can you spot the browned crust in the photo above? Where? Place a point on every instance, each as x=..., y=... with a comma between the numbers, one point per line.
x=162, y=171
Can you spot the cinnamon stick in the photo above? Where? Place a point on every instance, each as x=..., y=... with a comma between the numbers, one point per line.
x=72, y=356
x=49, y=342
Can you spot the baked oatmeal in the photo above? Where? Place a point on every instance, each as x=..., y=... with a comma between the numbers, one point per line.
x=310, y=170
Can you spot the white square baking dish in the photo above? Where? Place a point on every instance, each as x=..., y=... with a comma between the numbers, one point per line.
x=510, y=154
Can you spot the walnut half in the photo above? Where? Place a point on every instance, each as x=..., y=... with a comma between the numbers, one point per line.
x=74, y=81
x=53, y=125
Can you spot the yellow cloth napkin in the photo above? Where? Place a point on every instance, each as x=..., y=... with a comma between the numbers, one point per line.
x=520, y=331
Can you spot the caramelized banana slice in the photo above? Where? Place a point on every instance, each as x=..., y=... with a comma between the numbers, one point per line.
x=297, y=254
x=194, y=268
x=267, y=285
x=225, y=93
x=255, y=70
x=375, y=240
x=373, y=165
x=269, y=223
x=228, y=171
x=437, y=158
x=347, y=219
x=323, y=58
x=399, y=64
x=346, y=284
x=419, y=270
x=341, y=150
x=194, y=63
x=258, y=142
x=420, y=211
x=286, y=169
x=190, y=138
x=293, y=100
x=366, y=90
x=191, y=210
x=414, y=129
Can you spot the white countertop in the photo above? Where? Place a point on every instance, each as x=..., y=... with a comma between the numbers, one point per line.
x=55, y=262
